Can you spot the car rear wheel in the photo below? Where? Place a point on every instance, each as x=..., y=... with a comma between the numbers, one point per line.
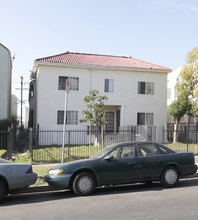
x=2, y=190
x=170, y=177
x=83, y=184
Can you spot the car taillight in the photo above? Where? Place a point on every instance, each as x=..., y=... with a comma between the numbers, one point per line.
x=193, y=159
x=30, y=170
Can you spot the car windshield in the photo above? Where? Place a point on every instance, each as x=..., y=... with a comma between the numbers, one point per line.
x=102, y=152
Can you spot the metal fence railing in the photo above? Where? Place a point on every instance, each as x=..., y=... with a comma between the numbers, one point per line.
x=3, y=142
x=47, y=144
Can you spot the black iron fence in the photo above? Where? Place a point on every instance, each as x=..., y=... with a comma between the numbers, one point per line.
x=45, y=146
x=13, y=140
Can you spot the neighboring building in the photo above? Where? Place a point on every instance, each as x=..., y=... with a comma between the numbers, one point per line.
x=14, y=106
x=172, y=96
x=136, y=90
x=5, y=82
x=26, y=119
x=171, y=85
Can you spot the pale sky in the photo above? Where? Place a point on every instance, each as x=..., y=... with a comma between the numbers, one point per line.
x=157, y=31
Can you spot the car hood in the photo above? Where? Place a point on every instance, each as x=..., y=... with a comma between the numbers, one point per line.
x=73, y=164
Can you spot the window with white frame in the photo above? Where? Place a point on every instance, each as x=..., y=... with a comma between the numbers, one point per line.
x=146, y=88
x=71, y=119
x=73, y=83
x=109, y=85
x=144, y=118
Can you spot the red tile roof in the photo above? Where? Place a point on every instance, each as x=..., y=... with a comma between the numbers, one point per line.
x=100, y=61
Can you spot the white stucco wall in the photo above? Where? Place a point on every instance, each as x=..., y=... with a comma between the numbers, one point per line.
x=5, y=83
x=125, y=95
x=171, y=84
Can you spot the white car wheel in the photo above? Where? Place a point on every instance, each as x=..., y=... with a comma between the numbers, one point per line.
x=170, y=177
x=84, y=184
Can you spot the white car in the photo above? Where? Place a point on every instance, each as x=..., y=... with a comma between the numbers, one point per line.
x=15, y=176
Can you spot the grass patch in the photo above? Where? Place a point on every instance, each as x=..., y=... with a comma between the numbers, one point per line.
x=22, y=158
x=2, y=152
x=53, y=153
x=41, y=171
x=196, y=159
x=183, y=147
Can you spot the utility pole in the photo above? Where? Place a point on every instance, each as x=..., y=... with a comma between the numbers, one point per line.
x=65, y=118
x=21, y=101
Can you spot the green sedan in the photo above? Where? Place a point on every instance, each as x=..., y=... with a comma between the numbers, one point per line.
x=123, y=164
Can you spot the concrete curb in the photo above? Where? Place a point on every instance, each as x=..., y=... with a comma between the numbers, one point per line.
x=46, y=188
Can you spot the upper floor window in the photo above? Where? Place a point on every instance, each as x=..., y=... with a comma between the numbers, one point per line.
x=145, y=118
x=109, y=85
x=31, y=90
x=73, y=83
x=71, y=119
x=146, y=88
x=168, y=93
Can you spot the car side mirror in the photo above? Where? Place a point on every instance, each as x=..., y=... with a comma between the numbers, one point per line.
x=108, y=157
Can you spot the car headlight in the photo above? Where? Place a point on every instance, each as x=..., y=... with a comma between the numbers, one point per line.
x=55, y=172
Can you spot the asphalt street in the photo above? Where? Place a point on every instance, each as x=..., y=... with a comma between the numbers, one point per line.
x=136, y=201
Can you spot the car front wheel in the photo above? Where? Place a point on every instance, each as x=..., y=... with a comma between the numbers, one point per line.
x=2, y=190
x=83, y=184
x=170, y=177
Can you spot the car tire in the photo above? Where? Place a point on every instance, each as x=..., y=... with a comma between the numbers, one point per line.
x=170, y=177
x=83, y=184
x=2, y=190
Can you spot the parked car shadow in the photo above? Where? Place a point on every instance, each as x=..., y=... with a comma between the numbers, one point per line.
x=11, y=200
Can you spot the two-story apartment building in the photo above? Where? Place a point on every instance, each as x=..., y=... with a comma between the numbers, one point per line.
x=5, y=82
x=136, y=90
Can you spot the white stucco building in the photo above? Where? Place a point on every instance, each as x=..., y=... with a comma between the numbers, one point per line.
x=14, y=105
x=5, y=82
x=136, y=90
x=171, y=85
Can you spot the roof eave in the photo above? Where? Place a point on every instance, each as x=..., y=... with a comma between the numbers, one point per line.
x=37, y=63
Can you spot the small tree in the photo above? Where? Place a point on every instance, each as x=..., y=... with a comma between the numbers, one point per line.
x=179, y=108
x=188, y=78
x=94, y=113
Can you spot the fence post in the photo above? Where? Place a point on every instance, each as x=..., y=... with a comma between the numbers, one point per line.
x=9, y=144
x=69, y=145
x=30, y=145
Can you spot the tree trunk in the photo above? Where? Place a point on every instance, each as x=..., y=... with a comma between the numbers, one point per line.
x=102, y=134
x=90, y=139
x=175, y=134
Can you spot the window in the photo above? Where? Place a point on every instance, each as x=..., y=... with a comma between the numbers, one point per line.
x=71, y=119
x=124, y=152
x=145, y=118
x=109, y=85
x=73, y=83
x=163, y=150
x=31, y=90
x=146, y=88
x=145, y=150
x=168, y=93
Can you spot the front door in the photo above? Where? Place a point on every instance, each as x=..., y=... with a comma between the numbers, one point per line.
x=110, y=121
